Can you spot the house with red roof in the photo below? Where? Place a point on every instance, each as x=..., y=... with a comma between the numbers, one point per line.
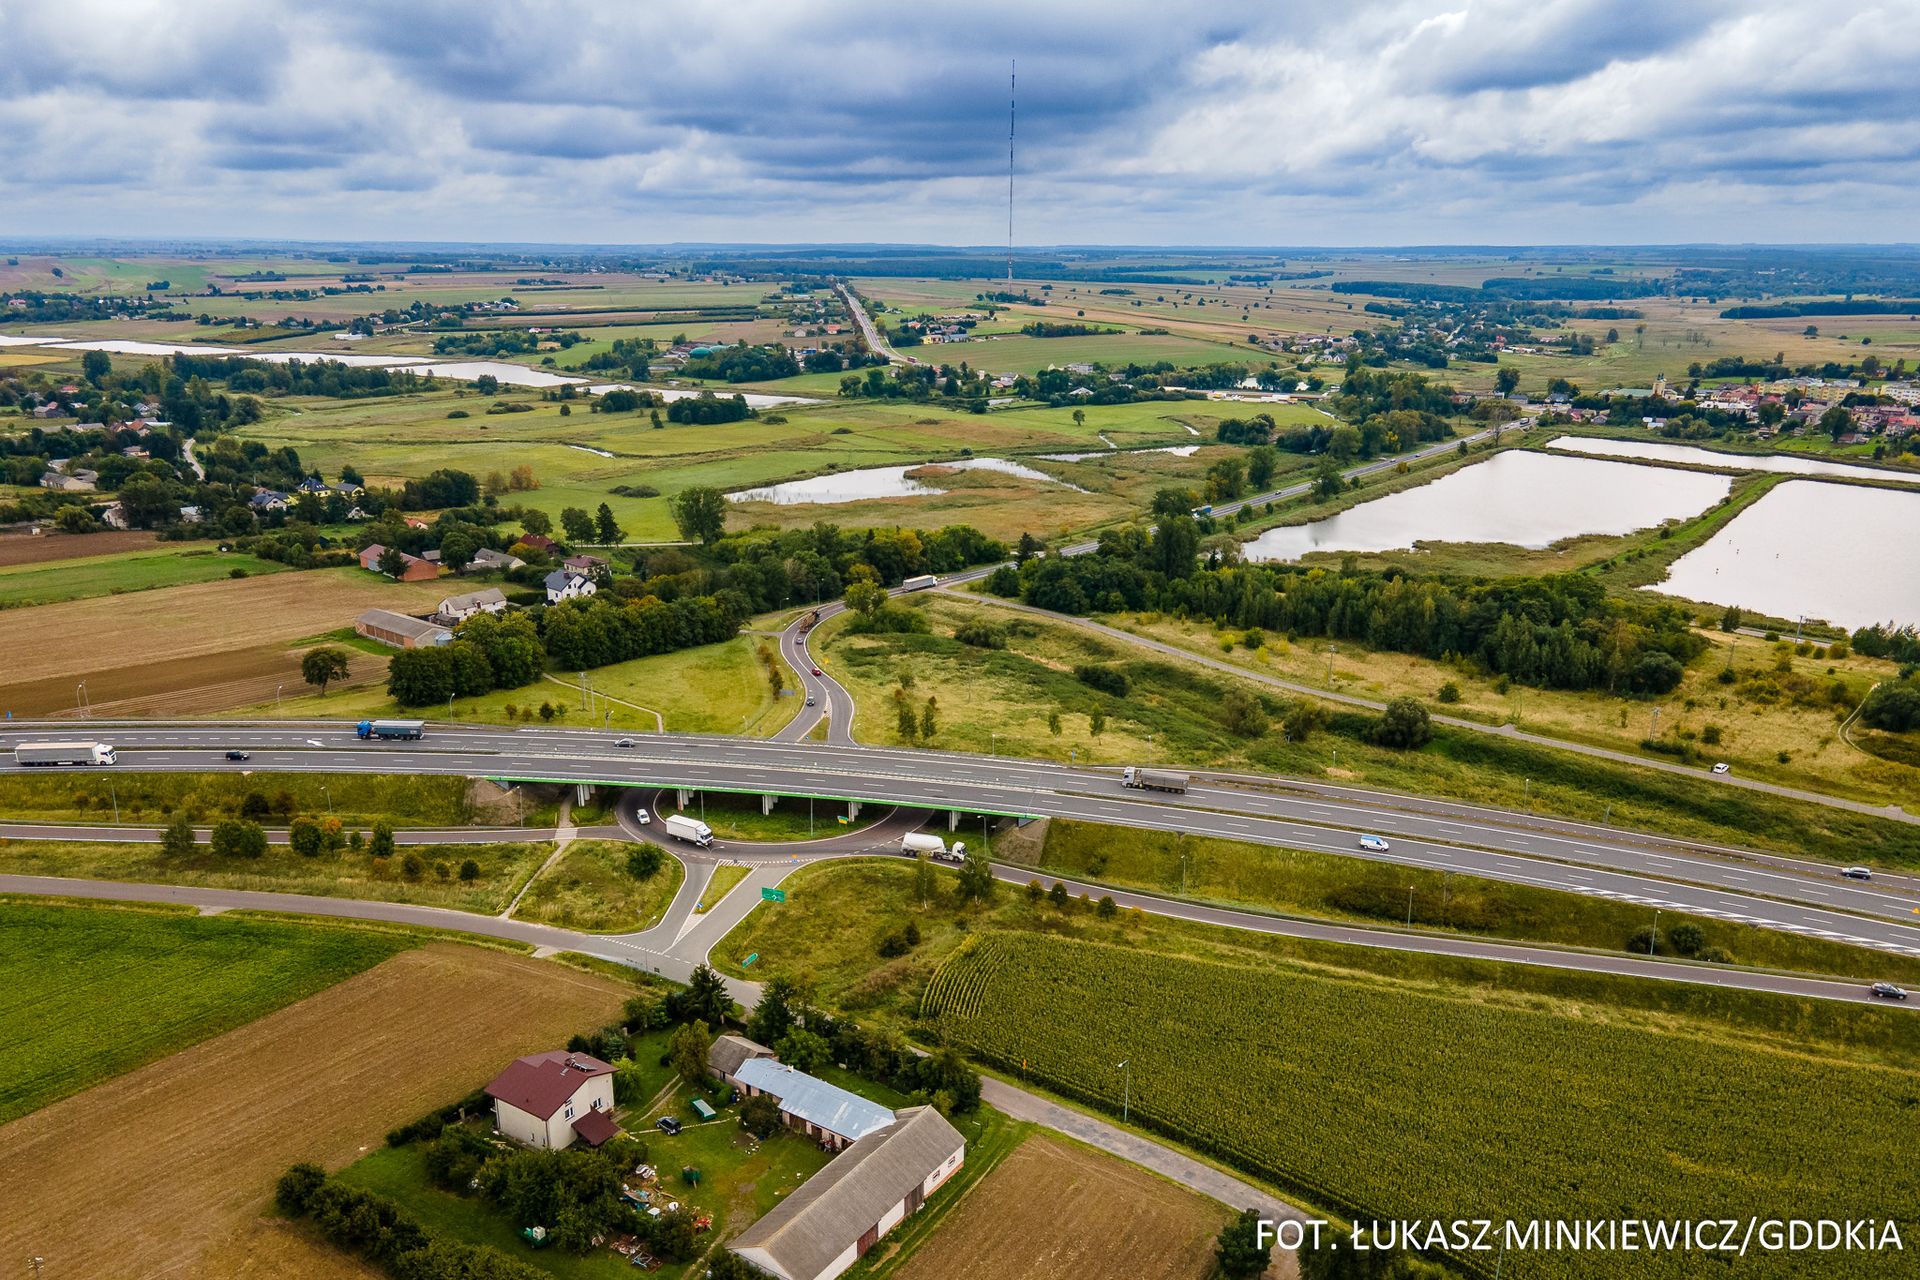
x=549, y=1099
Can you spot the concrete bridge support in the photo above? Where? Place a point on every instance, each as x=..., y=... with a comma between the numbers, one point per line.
x=853, y=810
x=686, y=798
x=766, y=804
x=582, y=792
x=953, y=820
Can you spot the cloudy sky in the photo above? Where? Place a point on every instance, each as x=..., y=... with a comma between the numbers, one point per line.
x=1299, y=123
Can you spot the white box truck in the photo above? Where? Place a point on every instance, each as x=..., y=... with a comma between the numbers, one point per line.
x=52, y=753
x=692, y=830
x=915, y=843
x=1154, y=780
x=921, y=582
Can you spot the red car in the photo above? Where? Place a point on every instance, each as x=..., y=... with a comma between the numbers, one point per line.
x=816, y=671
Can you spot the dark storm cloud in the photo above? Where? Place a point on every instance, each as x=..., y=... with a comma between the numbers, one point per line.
x=1389, y=120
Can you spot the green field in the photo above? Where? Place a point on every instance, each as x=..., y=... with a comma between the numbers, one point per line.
x=86, y=576
x=433, y=880
x=1388, y=1099
x=87, y=993
x=590, y=889
x=358, y=798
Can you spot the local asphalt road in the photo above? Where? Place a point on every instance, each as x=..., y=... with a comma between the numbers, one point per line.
x=1802, y=898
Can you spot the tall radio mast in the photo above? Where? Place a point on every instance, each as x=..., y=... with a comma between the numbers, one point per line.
x=1012, y=67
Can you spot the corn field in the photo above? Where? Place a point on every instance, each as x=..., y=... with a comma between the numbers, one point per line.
x=1383, y=1100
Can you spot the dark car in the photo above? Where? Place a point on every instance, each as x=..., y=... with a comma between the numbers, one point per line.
x=1887, y=991
x=238, y=755
x=816, y=671
x=667, y=1125
x=626, y=742
x=1858, y=873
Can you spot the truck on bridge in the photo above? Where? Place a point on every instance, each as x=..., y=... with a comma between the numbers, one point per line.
x=52, y=753
x=692, y=830
x=1154, y=780
x=391, y=729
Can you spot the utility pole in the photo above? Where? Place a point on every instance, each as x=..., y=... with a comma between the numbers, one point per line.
x=1653, y=725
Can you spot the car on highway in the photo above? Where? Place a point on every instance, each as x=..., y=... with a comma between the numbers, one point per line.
x=1887, y=991
x=626, y=742
x=642, y=817
x=667, y=1125
x=238, y=755
x=1375, y=844
x=809, y=699
x=817, y=671
x=1858, y=873
x=1723, y=767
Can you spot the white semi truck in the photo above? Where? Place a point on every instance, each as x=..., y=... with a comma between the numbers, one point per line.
x=52, y=753
x=692, y=830
x=915, y=843
x=1154, y=780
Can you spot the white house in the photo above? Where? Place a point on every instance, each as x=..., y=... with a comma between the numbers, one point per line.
x=461, y=607
x=565, y=584
x=842, y=1211
x=549, y=1099
x=488, y=558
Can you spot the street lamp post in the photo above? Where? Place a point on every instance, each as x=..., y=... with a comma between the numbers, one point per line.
x=1409, y=906
x=1126, y=1088
x=1653, y=938
x=112, y=791
x=277, y=691
x=1332, y=649
x=328, y=791
x=1653, y=725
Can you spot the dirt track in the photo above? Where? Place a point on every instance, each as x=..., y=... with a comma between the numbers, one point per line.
x=153, y=1173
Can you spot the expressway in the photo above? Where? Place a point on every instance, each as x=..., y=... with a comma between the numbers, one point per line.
x=1798, y=897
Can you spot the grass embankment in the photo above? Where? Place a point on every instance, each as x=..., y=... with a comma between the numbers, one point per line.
x=1299, y=882
x=358, y=799
x=590, y=888
x=1765, y=710
x=715, y=688
x=725, y=877
x=1002, y=699
x=1383, y=1080
x=87, y=993
x=114, y=575
x=427, y=875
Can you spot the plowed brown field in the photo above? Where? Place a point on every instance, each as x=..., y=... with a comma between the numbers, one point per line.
x=150, y=1174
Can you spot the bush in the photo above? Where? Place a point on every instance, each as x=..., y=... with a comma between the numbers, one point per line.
x=1449, y=693
x=1106, y=679
x=469, y=871
x=982, y=634
x=1243, y=715
x=1403, y=726
x=1686, y=939
x=760, y=1116
x=644, y=861
x=239, y=839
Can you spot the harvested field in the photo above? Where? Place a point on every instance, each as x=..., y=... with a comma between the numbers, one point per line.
x=197, y=637
x=274, y=1249
x=149, y=1173
x=1055, y=1209
x=25, y=548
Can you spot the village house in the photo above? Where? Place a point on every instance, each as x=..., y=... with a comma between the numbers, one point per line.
x=487, y=558
x=565, y=584
x=461, y=607
x=584, y=563
x=841, y=1212
x=401, y=631
x=549, y=1099
x=268, y=500
x=538, y=541
x=412, y=568
x=729, y=1053
x=825, y=1112
x=82, y=481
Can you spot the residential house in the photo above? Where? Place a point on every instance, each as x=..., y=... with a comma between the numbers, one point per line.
x=268, y=500
x=51, y=409
x=820, y=1110
x=412, y=568
x=839, y=1213
x=461, y=607
x=190, y=515
x=401, y=631
x=729, y=1053
x=565, y=584
x=488, y=558
x=584, y=563
x=549, y=1099
x=70, y=482
x=538, y=541
x=114, y=516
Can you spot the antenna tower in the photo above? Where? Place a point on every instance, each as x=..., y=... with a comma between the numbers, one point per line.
x=1012, y=67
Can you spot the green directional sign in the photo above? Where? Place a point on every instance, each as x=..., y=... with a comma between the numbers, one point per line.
x=750, y=959
x=773, y=895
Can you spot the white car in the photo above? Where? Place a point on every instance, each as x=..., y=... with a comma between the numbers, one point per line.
x=1723, y=767
x=640, y=816
x=1374, y=844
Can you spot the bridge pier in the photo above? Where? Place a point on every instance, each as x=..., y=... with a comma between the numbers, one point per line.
x=853, y=810
x=766, y=804
x=953, y=820
x=582, y=791
x=686, y=798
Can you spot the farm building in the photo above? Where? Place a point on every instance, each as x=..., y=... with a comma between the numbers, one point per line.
x=549, y=1099
x=461, y=607
x=842, y=1211
x=400, y=631
x=488, y=558
x=729, y=1053
x=412, y=568
x=813, y=1107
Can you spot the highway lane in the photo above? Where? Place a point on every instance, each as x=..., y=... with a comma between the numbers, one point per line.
x=1624, y=870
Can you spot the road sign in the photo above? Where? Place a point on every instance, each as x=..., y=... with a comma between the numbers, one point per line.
x=773, y=895
x=750, y=959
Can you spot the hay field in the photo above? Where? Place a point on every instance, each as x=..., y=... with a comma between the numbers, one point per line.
x=1056, y=1209
x=143, y=1175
